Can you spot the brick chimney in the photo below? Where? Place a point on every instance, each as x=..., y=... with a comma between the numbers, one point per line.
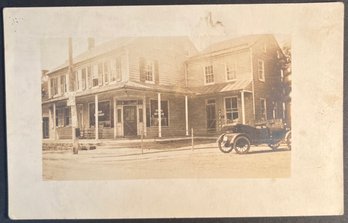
x=91, y=43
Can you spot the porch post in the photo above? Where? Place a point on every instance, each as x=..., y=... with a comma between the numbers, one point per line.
x=159, y=115
x=243, y=106
x=54, y=121
x=96, y=117
x=115, y=117
x=186, y=115
x=74, y=123
x=144, y=116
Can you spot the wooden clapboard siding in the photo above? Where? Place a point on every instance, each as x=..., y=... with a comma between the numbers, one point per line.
x=169, y=53
x=64, y=132
x=270, y=89
x=196, y=67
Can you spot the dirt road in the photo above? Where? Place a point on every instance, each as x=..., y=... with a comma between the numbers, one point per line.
x=205, y=161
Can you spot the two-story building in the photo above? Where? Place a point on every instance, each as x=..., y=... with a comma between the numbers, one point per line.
x=162, y=86
x=237, y=80
x=134, y=85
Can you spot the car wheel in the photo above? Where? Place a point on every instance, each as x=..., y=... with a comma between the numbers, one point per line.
x=274, y=146
x=222, y=146
x=288, y=140
x=242, y=144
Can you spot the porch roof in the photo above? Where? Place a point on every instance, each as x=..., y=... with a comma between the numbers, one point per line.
x=131, y=85
x=223, y=87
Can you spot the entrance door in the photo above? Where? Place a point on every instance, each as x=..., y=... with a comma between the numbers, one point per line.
x=211, y=115
x=45, y=128
x=130, y=120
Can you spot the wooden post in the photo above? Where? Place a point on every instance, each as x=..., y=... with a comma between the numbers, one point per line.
x=243, y=106
x=192, y=138
x=115, y=117
x=159, y=115
x=142, y=140
x=186, y=115
x=144, y=116
x=96, y=117
x=54, y=121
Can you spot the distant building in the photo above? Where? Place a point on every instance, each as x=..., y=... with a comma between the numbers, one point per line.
x=162, y=87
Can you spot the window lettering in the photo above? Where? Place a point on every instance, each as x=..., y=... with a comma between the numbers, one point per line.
x=104, y=114
x=155, y=114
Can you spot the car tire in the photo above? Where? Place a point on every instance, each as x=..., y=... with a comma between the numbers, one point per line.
x=223, y=148
x=241, y=145
x=288, y=140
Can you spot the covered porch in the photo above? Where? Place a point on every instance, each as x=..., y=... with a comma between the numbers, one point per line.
x=123, y=113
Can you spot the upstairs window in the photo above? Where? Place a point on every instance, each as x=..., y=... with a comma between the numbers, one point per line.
x=106, y=71
x=63, y=88
x=95, y=77
x=77, y=80
x=209, y=74
x=231, y=72
x=100, y=74
x=149, y=71
x=89, y=76
x=54, y=86
x=84, y=79
x=116, y=73
x=261, y=70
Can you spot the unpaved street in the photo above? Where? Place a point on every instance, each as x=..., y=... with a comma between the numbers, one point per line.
x=205, y=161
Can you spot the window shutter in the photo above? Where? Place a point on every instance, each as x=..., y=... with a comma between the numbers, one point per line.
x=156, y=72
x=142, y=69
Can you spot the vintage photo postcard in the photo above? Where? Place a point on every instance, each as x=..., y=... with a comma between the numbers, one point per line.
x=146, y=111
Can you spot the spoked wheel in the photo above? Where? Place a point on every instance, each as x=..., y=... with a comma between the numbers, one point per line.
x=288, y=140
x=224, y=146
x=274, y=146
x=242, y=145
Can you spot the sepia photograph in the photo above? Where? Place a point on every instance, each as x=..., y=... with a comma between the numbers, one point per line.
x=176, y=111
x=141, y=107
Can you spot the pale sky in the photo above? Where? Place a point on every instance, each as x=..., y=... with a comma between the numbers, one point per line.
x=207, y=24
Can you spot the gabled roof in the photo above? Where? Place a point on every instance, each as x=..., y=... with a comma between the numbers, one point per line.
x=238, y=43
x=115, y=44
x=95, y=51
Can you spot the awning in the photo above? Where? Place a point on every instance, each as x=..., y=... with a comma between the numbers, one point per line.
x=223, y=87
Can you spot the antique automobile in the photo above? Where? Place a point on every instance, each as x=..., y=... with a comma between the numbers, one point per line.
x=239, y=137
